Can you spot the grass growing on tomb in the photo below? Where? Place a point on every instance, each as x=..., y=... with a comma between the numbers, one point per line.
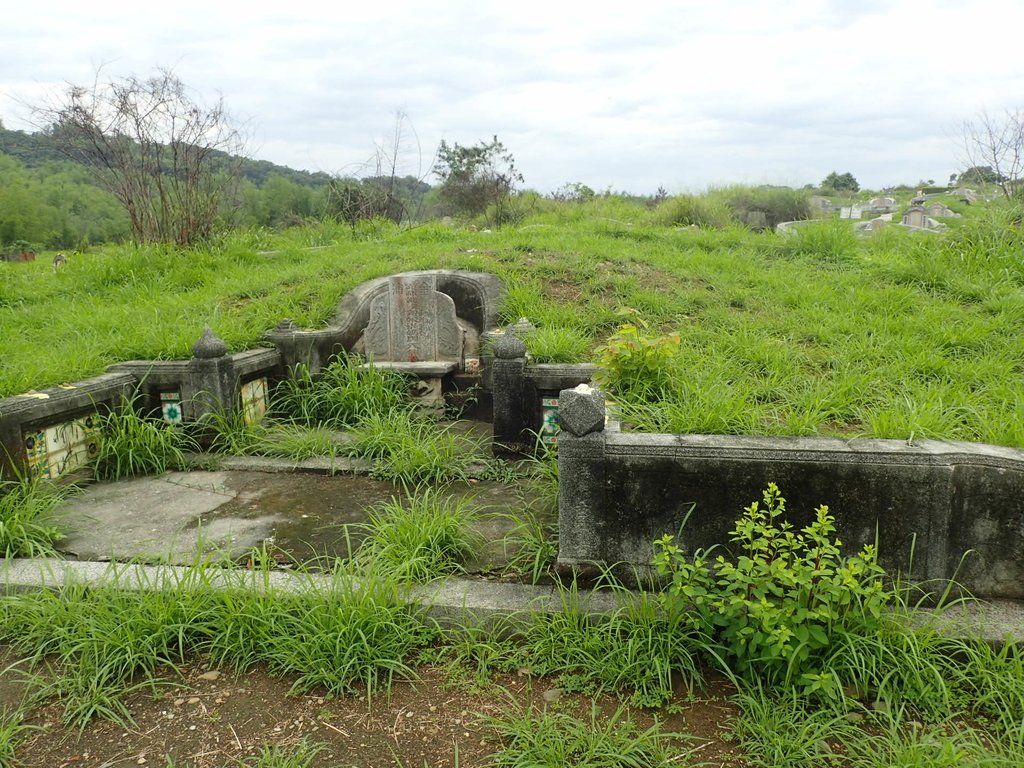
x=410, y=449
x=341, y=396
x=134, y=445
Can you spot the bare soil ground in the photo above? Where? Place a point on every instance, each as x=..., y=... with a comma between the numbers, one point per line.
x=215, y=718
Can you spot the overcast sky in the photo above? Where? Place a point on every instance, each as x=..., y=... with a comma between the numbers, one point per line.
x=623, y=95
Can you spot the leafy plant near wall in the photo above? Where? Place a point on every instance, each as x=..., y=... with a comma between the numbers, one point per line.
x=777, y=605
x=637, y=363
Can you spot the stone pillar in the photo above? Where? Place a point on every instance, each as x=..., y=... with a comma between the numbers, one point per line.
x=512, y=412
x=581, y=481
x=296, y=347
x=212, y=377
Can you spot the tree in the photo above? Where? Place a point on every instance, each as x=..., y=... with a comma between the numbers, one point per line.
x=478, y=179
x=996, y=145
x=169, y=160
x=841, y=182
x=980, y=174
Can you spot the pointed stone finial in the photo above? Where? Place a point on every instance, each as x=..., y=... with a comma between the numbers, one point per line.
x=209, y=346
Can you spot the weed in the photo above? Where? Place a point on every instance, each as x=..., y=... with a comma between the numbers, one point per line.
x=26, y=510
x=134, y=445
x=534, y=544
x=343, y=394
x=557, y=345
x=637, y=647
x=779, y=605
x=422, y=539
x=557, y=739
x=408, y=448
x=12, y=730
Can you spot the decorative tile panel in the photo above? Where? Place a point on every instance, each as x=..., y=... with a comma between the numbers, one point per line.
x=170, y=406
x=549, y=420
x=254, y=400
x=62, y=448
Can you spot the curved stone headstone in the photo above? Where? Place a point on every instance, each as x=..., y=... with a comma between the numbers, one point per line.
x=413, y=322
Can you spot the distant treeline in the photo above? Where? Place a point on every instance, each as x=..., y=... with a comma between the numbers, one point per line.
x=48, y=201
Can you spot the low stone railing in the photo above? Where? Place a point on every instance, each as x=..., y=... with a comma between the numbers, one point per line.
x=937, y=510
x=54, y=432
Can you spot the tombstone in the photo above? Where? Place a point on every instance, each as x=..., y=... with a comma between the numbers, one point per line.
x=413, y=329
x=916, y=217
x=413, y=322
x=59, y=261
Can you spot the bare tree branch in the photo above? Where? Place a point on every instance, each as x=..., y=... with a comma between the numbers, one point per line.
x=170, y=161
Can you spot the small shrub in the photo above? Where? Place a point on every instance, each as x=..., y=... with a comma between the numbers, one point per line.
x=638, y=364
x=776, y=606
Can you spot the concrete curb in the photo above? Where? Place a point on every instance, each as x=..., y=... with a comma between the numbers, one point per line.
x=462, y=602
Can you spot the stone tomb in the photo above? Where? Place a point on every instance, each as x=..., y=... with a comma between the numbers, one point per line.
x=413, y=328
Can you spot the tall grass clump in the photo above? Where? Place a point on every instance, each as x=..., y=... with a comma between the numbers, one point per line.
x=636, y=648
x=134, y=445
x=427, y=536
x=107, y=641
x=557, y=345
x=408, y=448
x=546, y=739
x=694, y=211
x=342, y=395
x=827, y=242
x=764, y=207
x=13, y=729
x=27, y=528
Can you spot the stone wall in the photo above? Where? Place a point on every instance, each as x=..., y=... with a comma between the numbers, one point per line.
x=53, y=432
x=926, y=503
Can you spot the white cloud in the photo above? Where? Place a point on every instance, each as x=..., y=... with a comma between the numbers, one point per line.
x=681, y=94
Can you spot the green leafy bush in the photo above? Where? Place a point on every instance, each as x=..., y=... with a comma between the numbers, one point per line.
x=636, y=363
x=777, y=604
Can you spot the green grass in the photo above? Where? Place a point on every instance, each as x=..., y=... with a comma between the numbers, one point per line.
x=133, y=445
x=106, y=642
x=423, y=538
x=546, y=739
x=819, y=334
x=27, y=528
x=342, y=395
x=408, y=448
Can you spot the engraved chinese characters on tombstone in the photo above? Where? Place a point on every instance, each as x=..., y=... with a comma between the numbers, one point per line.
x=413, y=322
